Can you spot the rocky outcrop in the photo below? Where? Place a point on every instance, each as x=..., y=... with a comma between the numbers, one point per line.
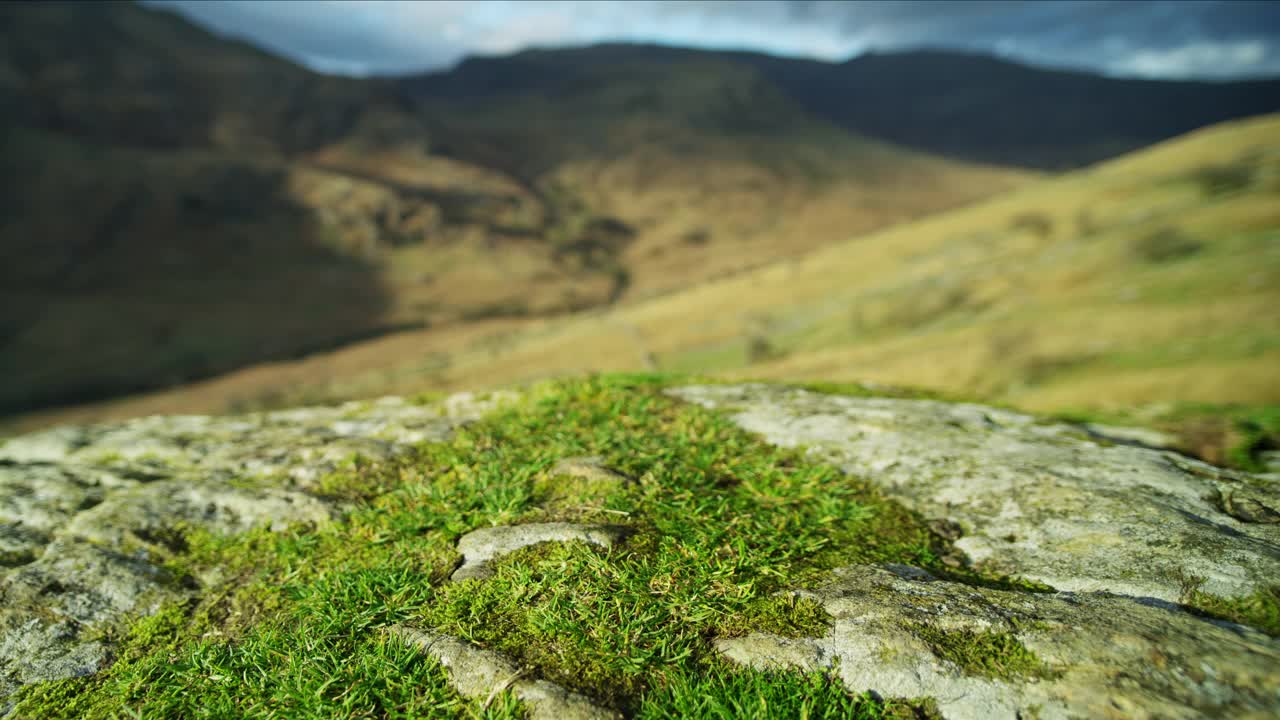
x=591, y=469
x=1123, y=529
x=1039, y=500
x=87, y=514
x=987, y=654
x=1122, y=532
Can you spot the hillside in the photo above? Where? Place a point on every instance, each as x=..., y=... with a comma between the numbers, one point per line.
x=1148, y=278
x=709, y=166
x=233, y=208
x=1146, y=281
x=962, y=105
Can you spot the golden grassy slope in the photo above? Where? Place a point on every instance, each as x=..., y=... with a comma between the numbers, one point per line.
x=280, y=212
x=1151, y=278
x=712, y=167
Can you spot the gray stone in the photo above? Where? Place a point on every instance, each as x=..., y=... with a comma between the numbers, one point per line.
x=1271, y=460
x=1142, y=437
x=147, y=510
x=591, y=469
x=1034, y=499
x=87, y=513
x=40, y=651
x=481, y=674
x=1103, y=656
x=479, y=547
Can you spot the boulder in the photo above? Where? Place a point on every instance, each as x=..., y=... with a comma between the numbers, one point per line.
x=88, y=513
x=986, y=654
x=1040, y=500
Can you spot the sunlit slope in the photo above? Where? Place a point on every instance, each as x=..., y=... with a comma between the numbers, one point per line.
x=1155, y=277
x=180, y=205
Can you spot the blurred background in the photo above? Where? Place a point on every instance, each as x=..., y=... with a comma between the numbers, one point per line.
x=1065, y=207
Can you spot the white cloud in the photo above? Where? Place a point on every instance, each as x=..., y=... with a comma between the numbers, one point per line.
x=1205, y=59
x=1186, y=38
x=535, y=29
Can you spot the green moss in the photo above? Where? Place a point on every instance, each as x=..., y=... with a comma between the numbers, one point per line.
x=568, y=493
x=984, y=577
x=986, y=654
x=1261, y=609
x=727, y=693
x=1230, y=435
x=721, y=522
x=787, y=615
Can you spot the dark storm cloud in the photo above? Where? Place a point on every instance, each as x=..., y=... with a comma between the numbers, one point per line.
x=1172, y=38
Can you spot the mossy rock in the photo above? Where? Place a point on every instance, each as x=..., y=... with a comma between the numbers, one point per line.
x=257, y=565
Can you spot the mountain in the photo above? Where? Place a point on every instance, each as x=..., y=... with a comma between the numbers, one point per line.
x=178, y=204
x=1146, y=279
x=1143, y=286
x=120, y=74
x=963, y=105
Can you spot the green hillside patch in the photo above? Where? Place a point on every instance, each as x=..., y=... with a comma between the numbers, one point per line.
x=288, y=623
x=1235, y=436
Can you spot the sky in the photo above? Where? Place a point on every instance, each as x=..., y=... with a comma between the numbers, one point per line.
x=1175, y=39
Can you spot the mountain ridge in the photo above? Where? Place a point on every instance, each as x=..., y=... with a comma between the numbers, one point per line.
x=209, y=176
x=346, y=208
x=886, y=90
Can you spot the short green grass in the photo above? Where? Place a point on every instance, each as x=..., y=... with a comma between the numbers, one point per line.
x=289, y=623
x=727, y=694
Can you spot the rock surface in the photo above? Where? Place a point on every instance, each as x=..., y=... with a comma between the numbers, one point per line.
x=590, y=469
x=1042, y=501
x=482, y=674
x=87, y=512
x=479, y=547
x=1099, y=655
x=1118, y=528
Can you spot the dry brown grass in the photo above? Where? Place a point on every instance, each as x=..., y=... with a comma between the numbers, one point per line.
x=969, y=300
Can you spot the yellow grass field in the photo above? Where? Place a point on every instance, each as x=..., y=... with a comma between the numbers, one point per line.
x=1153, y=278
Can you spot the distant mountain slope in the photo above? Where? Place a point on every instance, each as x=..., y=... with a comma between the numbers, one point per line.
x=711, y=165
x=123, y=74
x=178, y=205
x=980, y=108
x=963, y=105
x=1150, y=279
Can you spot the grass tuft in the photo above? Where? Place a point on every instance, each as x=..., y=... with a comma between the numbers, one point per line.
x=726, y=693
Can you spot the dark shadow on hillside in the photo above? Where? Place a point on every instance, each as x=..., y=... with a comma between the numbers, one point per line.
x=124, y=270
x=957, y=104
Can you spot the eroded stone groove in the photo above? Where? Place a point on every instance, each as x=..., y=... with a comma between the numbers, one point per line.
x=481, y=674
x=480, y=547
x=1043, y=501
x=86, y=512
x=1091, y=655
